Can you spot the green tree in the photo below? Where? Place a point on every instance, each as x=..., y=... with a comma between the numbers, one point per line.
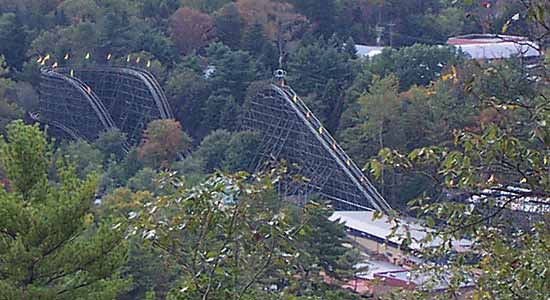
x=321, y=73
x=188, y=90
x=13, y=40
x=221, y=111
x=212, y=149
x=86, y=158
x=241, y=151
x=112, y=144
x=206, y=6
x=383, y=117
x=234, y=70
x=80, y=10
x=313, y=64
x=415, y=65
x=35, y=14
x=9, y=110
x=50, y=247
x=324, y=249
x=156, y=42
x=122, y=201
x=375, y=120
x=320, y=12
x=440, y=25
x=254, y=39
x=144, y=180
x=226, y=243
x=161, y=9
x=192, y=167
x=228, y=25
x=78, y=40
x=148, y=267
x=118, y=173
x=349, y=48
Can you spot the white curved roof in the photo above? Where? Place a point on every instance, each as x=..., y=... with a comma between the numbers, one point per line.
x=501, y=50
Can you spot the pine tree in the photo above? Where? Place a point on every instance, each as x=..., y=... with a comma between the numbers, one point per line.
x=220, y=111
x=349, y=48
x=320, y=12
x=254, y=39
x=228, y=25
x=13, y=39
x=326, y=241
x=212, y=149
x=241, y=151
x=50, y=246
x=234, y=70
x=321, y=73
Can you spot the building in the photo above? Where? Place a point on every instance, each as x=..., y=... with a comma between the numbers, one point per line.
x=411, y=280
x=495, y=46
x=519, y=203
x=368, y=52
x=377, y=236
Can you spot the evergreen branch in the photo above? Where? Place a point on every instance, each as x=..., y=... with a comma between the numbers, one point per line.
x=82, y=266
x=12, y=235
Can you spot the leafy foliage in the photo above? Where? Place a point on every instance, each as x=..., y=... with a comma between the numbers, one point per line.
x=227, y=245
x=501, y=168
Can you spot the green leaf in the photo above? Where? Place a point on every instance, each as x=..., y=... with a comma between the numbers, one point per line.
x=505, y=27
x=376, y=168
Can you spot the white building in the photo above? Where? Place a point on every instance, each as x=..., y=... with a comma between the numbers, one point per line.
x=368, y=52
x=378, y=235
x=493, y=46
